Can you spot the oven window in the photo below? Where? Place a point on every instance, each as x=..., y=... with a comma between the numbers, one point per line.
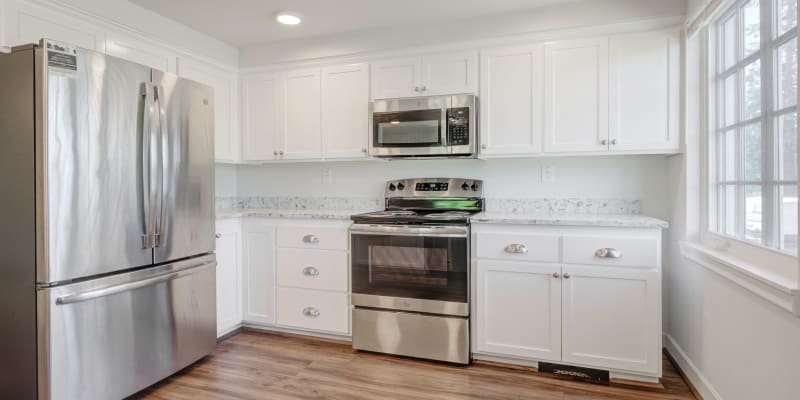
x=408, y=128
x=415, y=267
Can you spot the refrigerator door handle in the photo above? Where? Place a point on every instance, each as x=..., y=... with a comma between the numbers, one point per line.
x=128, y=286
x=148, y=239
x=163, y=153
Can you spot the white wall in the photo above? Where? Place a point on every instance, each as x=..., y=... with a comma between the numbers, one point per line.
x=548, y=18
x=630, y=177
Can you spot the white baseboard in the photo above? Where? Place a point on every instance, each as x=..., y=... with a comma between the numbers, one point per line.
x=693, y=374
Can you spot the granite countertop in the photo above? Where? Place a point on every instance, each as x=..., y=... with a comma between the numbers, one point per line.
x=287, y=213
x=602, y=220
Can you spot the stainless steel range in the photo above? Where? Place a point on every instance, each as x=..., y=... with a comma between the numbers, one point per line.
x=410, y=270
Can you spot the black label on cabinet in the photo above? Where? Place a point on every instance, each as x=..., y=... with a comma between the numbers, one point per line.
x=586, y=374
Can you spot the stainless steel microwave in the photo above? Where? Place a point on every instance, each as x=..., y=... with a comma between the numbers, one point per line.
x=433, y=126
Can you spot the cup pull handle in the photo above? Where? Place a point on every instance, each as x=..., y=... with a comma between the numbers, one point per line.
x=310, y=271
x=516, y=249
x=311, y=312
x=310, y=239
x=608, y=252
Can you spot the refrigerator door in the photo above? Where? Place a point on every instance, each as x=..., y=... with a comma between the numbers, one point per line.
x=111, y=337
x=90, y=216
x=186, y=111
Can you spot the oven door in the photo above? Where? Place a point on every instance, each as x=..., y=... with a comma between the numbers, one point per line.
x=409, y=127
x=411, y=268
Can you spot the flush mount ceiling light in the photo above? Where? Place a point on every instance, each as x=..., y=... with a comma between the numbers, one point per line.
x=288, y=18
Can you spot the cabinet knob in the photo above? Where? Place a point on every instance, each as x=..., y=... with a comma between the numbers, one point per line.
x=311, y=312
x=604, y=142
x=608, y=252
x=313, y=239
x=310, y=271
x=556, y=274
x=424, y=88
x=566, y=275
x=280, y=152
x=483, y=146
x=516, y=249
x=219, y=235
x=416, y=88
x=364, y=150
x=613, y=141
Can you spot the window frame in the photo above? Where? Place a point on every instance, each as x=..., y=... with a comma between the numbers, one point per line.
x=713, y=233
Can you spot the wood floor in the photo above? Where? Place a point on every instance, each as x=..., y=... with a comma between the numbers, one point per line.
x=257, y=365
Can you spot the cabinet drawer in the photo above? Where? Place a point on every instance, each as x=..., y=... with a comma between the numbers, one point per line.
x=639, y=252
x=313, y=309
x=312, y=269
x=313, y=237
x=519, y=247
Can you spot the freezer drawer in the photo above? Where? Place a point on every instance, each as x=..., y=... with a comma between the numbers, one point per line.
x=111, y=337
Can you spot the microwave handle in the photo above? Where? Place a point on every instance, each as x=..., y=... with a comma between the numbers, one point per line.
x=445, y=131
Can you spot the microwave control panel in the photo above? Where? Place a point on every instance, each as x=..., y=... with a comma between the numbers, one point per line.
x=458, y=126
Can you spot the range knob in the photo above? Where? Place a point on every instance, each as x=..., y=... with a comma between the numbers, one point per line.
x=400, y=186
x=392, y=187
x=475, y=186
x=465, y=186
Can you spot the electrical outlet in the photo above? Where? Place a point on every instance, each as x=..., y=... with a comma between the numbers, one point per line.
x=548, y=173
x=327, y=176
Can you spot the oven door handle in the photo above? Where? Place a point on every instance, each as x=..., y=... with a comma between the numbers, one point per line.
x=418, y=231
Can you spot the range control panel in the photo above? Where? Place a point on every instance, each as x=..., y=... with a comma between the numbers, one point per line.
x=434, y=187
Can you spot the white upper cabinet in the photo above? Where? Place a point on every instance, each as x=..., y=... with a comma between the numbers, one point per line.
x=226, y=100
x=519, y=309
x=612, y=317
x=644, y=91
x=449, y=73
x=301, y=115
x=511, y=100
x=24, y=23
x=440, y=74
x=396, y=78
x=345, y=111
x=142, y=51
x=576, y=96
x=260, y=98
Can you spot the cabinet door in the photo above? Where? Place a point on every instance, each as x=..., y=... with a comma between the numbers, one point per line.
x=226, y=135
x=229, y=278
x=142, y=51
x=24, y=22
x=519, y=309
x=449, y=73
x=345, y=111
x=612, y=318
x=396, y=78
x=260, y=94
x=511, y=100
x=576, y=96
x=301, y=116
x=259, y=272
x=644, y=89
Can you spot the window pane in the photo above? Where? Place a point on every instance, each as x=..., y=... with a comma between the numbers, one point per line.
x=729, y=95
x=728, y=209
x=729, y=42
x=752, y=213
x=728, y=156
x=751, y=28
x=788, y=218
x=787, y=143
x=752, y=152
x=787, y=74
x=752, y=90
x=787, y=15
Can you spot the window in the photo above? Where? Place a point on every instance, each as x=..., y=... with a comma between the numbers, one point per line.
x=753, y=117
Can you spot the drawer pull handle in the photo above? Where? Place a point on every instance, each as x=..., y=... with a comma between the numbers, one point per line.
x=516, y=249
x=310, y=271
x=313, y=239
x=608, y=253
x=311, y=312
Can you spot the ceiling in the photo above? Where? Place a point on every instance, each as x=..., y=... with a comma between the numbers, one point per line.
x=248, y=22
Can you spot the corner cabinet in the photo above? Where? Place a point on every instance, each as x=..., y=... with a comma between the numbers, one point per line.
x=428, y=75
x=584, y=296
x=229, y=276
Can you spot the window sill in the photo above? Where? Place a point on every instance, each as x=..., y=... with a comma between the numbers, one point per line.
x=778, y=290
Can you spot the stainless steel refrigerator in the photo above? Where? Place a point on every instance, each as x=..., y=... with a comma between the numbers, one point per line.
x=107, y=265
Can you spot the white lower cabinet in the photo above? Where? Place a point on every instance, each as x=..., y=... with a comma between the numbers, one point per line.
x=259, y=271
x=519, y=312
x=313, y=309
x=600, y=310
x=229, y=273
x=610, y=317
